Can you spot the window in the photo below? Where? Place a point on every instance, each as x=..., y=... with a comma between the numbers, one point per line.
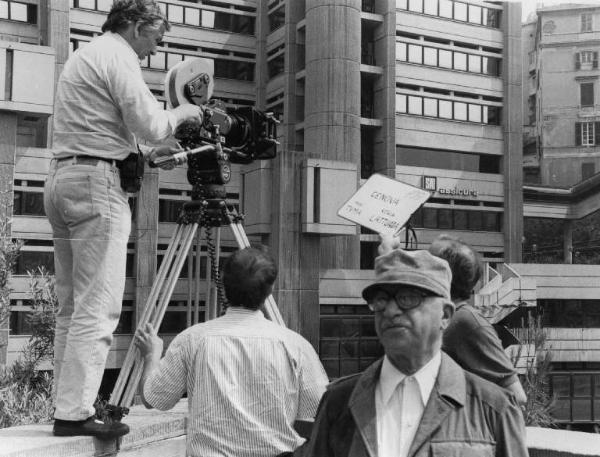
x=587, y=133
x=586, y=22
x=445, y=58
x=276, y=66
x=586, y=60
x=347, y=339
x=277, y=18
x=401, y=103
x=588, y=169
x=401, y=51
x=431, y=7
x=415, y=53
x=587, y=94
x=460, y=61
x=460, y=11
x=445, y=109
x=460, y=111
x=415, y=105
x=430, y=107
x=415, y=5
x=230, y=69
x=447, y=160
x=446, y=8
x=16, y=11
x=430, y=56
x=475, y=14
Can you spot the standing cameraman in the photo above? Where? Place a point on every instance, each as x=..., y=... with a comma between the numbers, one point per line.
x=102, y=105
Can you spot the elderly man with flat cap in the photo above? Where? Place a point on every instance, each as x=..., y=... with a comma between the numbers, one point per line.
x=415, y=401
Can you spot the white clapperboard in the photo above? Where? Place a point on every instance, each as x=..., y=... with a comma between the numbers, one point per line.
x=383, y=204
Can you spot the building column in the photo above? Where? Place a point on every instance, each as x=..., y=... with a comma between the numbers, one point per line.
x=332, y=109
x=568, y=241
x=385, y=90
x=513, y=136
x=8, y=149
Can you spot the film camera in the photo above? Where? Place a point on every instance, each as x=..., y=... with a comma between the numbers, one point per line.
x=223, y=136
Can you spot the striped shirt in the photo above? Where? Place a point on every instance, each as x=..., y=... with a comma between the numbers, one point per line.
x=247, y=380
x=102, y=103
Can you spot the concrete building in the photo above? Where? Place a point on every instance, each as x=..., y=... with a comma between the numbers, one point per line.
x=424, y=91
x=561, y=164
x=430, y=92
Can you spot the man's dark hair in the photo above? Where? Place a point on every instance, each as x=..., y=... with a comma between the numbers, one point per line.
x=248, y=276
x=464, y=263
x=124, y=12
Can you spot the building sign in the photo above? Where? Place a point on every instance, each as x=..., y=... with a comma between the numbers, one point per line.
x=430, y=184
x=383, y=204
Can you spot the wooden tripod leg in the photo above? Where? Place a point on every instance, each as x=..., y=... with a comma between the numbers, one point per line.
x=127, y=383
x=198, y=259
x=127, y=366
x=161, y=308
x=271, y=309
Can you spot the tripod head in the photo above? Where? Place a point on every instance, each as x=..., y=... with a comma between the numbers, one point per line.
x=223, y=135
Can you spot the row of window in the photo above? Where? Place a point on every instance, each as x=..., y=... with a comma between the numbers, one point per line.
x=162, y=60
x=443, y=58
x=570, y=313
x=447, y=160
x=576, y=396
x=448, y=109
x=187, y=15
x=223, y=68
x=347, y=341
x=16, y=11
x=450, y=9
x=174, y=320
x=457, y=219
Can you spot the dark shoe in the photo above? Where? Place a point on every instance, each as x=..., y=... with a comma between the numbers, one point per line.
x=90, y=427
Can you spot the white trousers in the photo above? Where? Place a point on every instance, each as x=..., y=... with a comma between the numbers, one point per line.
x=91, y=221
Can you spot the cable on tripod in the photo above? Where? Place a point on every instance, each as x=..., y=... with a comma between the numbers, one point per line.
x=214, y=267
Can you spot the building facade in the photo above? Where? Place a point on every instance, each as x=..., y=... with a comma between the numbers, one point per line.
x=424, y=91
x=561, y=58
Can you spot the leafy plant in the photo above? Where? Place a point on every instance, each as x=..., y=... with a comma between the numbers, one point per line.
x=537, y=357
x=26, y=391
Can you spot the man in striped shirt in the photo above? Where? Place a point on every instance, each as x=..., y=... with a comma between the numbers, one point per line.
x=247, y=379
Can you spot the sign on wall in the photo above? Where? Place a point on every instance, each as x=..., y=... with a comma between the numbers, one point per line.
x=383, y=204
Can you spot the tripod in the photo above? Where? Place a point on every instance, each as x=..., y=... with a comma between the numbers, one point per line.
x=203, y=213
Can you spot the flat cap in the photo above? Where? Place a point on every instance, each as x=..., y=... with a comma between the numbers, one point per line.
x=411, y=268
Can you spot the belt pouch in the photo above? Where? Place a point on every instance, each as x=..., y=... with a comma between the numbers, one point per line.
x=132, y=172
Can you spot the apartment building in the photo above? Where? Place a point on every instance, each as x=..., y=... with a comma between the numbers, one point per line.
x=563, y=145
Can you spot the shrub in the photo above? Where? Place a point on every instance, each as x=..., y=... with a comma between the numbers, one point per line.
x=536, y=354
x=26, y=392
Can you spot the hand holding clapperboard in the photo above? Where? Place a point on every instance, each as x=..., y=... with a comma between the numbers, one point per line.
x=383, y=205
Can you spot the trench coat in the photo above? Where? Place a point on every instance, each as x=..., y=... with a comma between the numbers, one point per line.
x=465, y=416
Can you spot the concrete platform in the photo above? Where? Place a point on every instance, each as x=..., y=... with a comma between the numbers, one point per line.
x=156, y=433
x=152, y=433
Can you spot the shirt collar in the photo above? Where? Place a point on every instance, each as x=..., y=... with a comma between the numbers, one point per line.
x=123, y=41
x=390, y=377
x=241, y=311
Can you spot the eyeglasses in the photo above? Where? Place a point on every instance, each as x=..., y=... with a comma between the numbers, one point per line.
x=404, y=299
